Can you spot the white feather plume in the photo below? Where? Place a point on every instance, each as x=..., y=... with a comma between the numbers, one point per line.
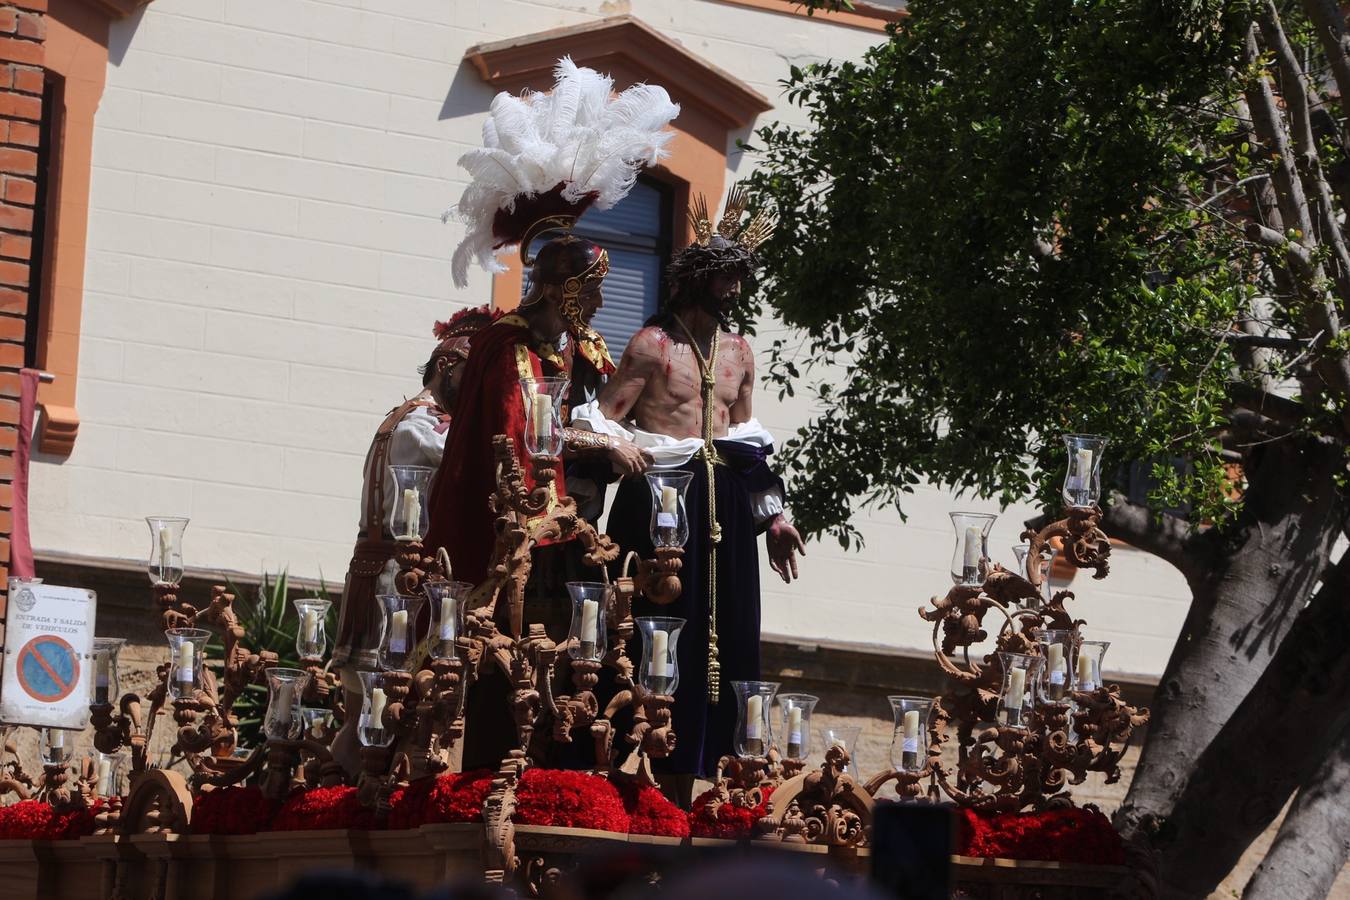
x=578, y=134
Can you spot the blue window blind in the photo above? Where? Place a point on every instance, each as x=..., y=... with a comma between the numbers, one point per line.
x=636, y=232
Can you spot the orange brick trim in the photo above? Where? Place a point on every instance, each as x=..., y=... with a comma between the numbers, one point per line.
x=713, y=103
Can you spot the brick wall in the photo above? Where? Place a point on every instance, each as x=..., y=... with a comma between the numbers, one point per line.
x=22, y=29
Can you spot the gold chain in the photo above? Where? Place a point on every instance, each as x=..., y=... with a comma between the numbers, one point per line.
x=708, y=370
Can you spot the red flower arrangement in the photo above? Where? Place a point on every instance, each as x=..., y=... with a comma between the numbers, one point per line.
x=569, y=800
x=649, y=812
x=231, y=810
x=453, y=797
x=35, y=820
x=730, y=820
x=1059, y=835
x=319, y=808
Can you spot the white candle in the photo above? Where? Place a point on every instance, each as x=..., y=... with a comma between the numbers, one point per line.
x=590, y=611
x=838, y=743
x=1055, y=661
x=282, y=713
x=1082, y=474
x=795, y=725
x=184, y=662
x=973, y=549
x=398, y=631
x=754, y=712
x=56, y=738
x=670, y=499
x=659, y=666
x=911, y=732
x=412, y=513
x=447, y=618
x=377, y=701
x=543, y=417
x=1085, y=680
x=1017, y=687
x=165, y=550
x=104, y=776
x=309, y=626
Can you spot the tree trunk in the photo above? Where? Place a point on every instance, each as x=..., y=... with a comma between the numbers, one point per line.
x=1314, y=840
x=1281, y=733
x=1258, y=573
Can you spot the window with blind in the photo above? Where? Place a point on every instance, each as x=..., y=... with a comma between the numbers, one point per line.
x=637, y=234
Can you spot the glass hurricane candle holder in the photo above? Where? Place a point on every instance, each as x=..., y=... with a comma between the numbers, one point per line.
x=55, y=746
x=586, y=637
x=447, y=615
x=754, y=722
x=317, y=720
x=408, y=519
x=371, y=731
x=660, y=668
x=1057, y=646
x=106, y=685
x=972, y=538
x=1019, y=682
x=311, y=638
x=1089, y=666
x=845, y=738
x=109, y=773
x=187, y=651
x=1083, y=480
x=542, y=400
x=400, y=637
x=1023, y=569
x=282, y=721
x=166, y=549
x=796, y=711
x=909, y=744
x=670, y=522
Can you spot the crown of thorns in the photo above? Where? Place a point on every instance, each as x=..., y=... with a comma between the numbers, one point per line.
x=729, y=248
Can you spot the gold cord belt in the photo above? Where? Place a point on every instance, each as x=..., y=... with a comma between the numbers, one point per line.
x=708, y=370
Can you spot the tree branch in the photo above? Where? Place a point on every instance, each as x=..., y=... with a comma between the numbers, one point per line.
x=1330, y=21
x=1263, y=340
x=1166, y=536
x=1277, y=409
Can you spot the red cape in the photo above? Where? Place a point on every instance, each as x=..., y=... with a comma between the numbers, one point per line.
x=489, y=403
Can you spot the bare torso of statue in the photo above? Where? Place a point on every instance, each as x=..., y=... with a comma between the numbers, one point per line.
x=659, y=384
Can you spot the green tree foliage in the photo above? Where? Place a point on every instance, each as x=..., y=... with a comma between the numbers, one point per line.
x=998, y=233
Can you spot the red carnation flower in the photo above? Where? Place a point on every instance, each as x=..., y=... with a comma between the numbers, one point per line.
x=731, y=820
x=319, y=808
x=649, y=812
x=569, y=800
x=1060, y=835
x=452, y=797
x=231, y=810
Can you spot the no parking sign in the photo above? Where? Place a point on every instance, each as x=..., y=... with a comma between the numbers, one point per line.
x=49, y=642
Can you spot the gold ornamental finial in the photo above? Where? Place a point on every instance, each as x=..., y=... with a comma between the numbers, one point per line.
x=699, y=220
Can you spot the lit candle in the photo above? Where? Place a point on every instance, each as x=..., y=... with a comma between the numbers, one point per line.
x=590, y=611
x=104, y=776
x=1055, y=661
x=412, y=514
x=447, y=618
x=973, y=550
x=309, y=626
x=754, y=713
x=1085, y=680
x=377, y=701
x=1017, y=688
x=659, y=665
x=165, y=551
x=184, y=662
x=398, y=631
x=543, y=418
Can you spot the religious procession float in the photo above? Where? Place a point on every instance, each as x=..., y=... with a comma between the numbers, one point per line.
x=504, y=705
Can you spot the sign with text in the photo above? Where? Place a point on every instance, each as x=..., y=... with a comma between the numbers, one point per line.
x=49, y=646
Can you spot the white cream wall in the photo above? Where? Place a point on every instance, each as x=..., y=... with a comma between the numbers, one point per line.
x=265, y=261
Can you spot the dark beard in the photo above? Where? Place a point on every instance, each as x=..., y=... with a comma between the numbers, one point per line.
x=714, y=306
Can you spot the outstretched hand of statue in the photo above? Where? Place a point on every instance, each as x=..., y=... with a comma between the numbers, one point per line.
x=784, y=544
x=628, y=458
